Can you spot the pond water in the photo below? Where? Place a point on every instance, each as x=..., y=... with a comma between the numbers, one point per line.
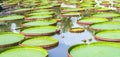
x=66, y=38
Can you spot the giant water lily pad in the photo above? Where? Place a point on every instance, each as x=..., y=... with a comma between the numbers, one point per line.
x=29, y=3
x=106, y=26
x=9, y=38
x=11, y=17
x=113, y=35
x=24, y=52
x=116, y=19
x=42, y=10
x=105, y=3
x=45, y=7
x=43, y=41
x=41, y=13
x=117, y=1
x=71, y=14
x=73, y=9
x=106, y=15
x=98, y=49
x=77, y=30
x=22, y=10
x=9, y=3
x=46, y=30
x=102, y=9
x=117, y=5
x=91, y=20
x=87, y=4
x=37, y=17
x=39, y=23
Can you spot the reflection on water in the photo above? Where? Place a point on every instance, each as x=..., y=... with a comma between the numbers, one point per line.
x=69, y=38
x=65, y=24
x=14, y=28
x=11, y=26
x=4, y=28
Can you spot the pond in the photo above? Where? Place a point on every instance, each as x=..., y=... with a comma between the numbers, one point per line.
x=65, y=37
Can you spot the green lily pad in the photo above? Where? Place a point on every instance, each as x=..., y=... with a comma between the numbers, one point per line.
x=106, y=26
x=42, y=10
x=7, y=38
x=41, y=13
x=11, y=17
x=73, y=9
x=39, y=16
x=92, y=20
x=22, y=9
x=87, y=4
x=39, y=30
x=28, y=3
x=40, y=23
x=10, y=2
x=25, y=52
x=57, y=4
x=110, y=35
x=116, y=19
x=106, y=15
x=71, y=13
x=105, y=2
x=117, y=5
x=103, y=9
x=40, y=41
x=72, y=1
x=45, y=7
x=117, y=0
x=98, y=49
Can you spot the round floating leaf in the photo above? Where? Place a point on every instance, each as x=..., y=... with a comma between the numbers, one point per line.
x=113, y=35
x=7, y=38
x=45, y=7
x=106, y=15
x=41, y=13
x=87, y=4
x=103, y=9
x=73, y=9
x=40, y=30
x=91, y=20
x=25, y=52
x=11, y=17
x=76, y=30
x=22, y=9
x=39, y=16
x=40, y=23
x=71, y=14
x=117, y=1
x=99, y=9
x=40, y=41
x=98, y=49
x=42, y=10
x=117, y=5
x=106, y=26
x=116, y=19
